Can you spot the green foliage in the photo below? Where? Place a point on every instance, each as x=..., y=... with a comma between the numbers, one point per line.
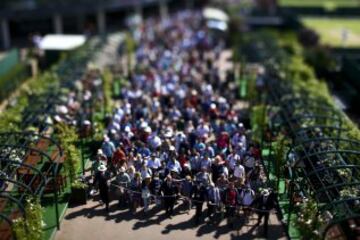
x=108, y=78
x=353, y=130
x=10, y=119
x=310, y=221
x=258, y=121
x=29, y=227
x=130, y=48
x=68, y=136
x=252, y=93
x=99, y=131
x=298, y=71
x=78, y=185
x=12, y=79
x=280, y=150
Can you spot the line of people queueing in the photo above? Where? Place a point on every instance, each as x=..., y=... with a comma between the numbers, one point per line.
x=177, y=133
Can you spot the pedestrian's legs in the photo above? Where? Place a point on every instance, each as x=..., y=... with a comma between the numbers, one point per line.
x=106, y=205
x=158, y=201
x=246, y=213
x=172, y=204
x=230, y=215
x=260, y=216
x=198, y=212
x=210, y=211
x=122, y=199
x=167, y=206
x=146, y=204
x=266, y=220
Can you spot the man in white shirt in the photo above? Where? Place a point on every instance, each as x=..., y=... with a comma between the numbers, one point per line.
x=239, y=171
x=154, y=162
x=247, y=197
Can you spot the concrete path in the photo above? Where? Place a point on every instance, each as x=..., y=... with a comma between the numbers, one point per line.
x=92, y=222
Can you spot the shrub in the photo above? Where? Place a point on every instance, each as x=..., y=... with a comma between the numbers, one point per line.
x=310, y=221
x=258, y=121
x=29, y=227
x=68, y=137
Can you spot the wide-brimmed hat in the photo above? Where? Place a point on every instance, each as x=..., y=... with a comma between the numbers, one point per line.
x=102, y=168
x=168, y=133
x=87, y=122
x=127, y=129
x=265, y=192
x=143, y=125
x=147, y=129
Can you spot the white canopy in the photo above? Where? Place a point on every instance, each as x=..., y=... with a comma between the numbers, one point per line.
x=215, y=14
x=61, y=42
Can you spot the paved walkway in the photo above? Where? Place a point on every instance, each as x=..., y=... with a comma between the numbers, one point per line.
x=92, y=222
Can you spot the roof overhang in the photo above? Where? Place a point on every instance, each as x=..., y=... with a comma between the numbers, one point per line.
x=62, y=42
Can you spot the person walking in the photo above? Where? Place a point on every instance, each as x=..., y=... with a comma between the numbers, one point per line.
x=199, y=195
x=214, y=200
x=264, y=203
x=169, y=192
x=230, y=203
x=102, y=181
x=123, y=180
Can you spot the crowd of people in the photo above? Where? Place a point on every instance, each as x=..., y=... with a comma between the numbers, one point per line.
x=177, y=136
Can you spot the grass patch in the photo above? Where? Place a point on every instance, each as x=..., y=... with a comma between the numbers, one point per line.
x=331, y=30
x=327, y=4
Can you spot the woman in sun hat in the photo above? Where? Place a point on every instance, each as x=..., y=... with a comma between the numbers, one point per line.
x=102, y=180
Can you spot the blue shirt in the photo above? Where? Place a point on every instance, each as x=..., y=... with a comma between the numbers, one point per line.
x=108, y=148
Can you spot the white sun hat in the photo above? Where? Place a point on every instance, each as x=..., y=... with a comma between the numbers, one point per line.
x=102, y=168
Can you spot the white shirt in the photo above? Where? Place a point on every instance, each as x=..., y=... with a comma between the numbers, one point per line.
x=239, y=171
x=154, y=163
x=203, y=131
x=154, y=141
x=232, y=159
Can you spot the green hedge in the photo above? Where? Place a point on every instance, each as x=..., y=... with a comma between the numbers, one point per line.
x=13, y=79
